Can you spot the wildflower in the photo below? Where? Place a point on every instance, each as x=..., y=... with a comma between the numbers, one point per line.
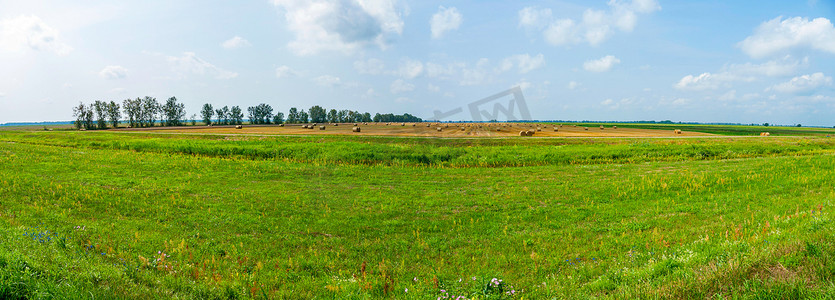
x=459, y=279
x=473, y=278
x=415, y=279
x=406, y=291
x=443, y=291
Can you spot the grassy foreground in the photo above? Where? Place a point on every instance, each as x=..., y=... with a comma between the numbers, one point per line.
x=110, y=215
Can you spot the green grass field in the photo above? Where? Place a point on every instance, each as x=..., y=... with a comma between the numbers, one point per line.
x=140, y=215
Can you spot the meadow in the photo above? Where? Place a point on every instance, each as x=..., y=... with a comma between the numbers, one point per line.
x=142, y=215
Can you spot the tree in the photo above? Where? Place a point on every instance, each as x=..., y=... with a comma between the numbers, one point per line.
x=293, y=115
x=252, y=114
x=100, y=107
x=366, y=117
x=113, y=114
x=318, y=114
x=193, y=119
x=207, y=113
x=133, y=110
x=342, y=115
x=260, y=114
x=303, y=117
x=83, y=115
x=766, y=124
x=279, y=118
x=223, y=115
x=173, y=112
x=150, y=108
x=333, y=116
x=237, y=116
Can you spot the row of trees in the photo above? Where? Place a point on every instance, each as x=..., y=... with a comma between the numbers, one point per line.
x=144, y=112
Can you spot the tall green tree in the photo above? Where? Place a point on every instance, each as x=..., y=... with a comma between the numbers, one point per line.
x=304, y=117
x=293, y=115
x=113, y=114
x=279, y=118
x=173, y=112
x=207, y=113
x=333, y=116
x=83, y=115
x=100, y=107
x=317, y=114
x=237, y=116
x=150, y=109
x=133, y=111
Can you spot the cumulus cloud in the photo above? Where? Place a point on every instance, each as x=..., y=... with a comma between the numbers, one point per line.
x=601, y=65
x=572, y=85
x=399, y=86
x=410, y=68
x=22, y=32
x=433, y=88
x=534, y=18
x=340, y=25
x=371, y=66
x=780, y=35
x=113, y=72
x=595, y=26
x=747, y=72
x=802, y=83
x=235, y=42
x=189, y=63
x=328, y=81
x=523, y=62
x=446, y=19
x=285, y=71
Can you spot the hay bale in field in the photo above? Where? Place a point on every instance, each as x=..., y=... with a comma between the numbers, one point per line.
x=538, y=129
x=498, y=129
x=239, y=126
x=280, y=125
x=402, y=124
x=677, y=131
x=601, y=127
x=210, y=125
x=614, y=127
x=585, y=128
x=523, y=133
x=335, y=124
x=556, y=129
x=529, y=133
x=314, y=125
x=356, y=129
x=463, y=128
x=439, y=129
x=427, y=125
x=322, y=127
x=765, y=133
x=355, y=124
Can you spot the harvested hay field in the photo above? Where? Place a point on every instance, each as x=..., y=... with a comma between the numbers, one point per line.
x=429, y=129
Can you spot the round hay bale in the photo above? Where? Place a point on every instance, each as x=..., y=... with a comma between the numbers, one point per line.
x=498, y=129
x=439, y=129
x=239, y=126
x=280, y=125
x=210, y=125
x=529, y=133
x=556, y=129
x=765, y=133
x=538, y=129
x=314, y=125
x=463, y=128
x=402, y=124
x=677, y=131
x=356, y=129
x=413, y=124
x=614, y=127
x=322, y=127
x=585, y=128
x=523, y=133
x=355, y=124
x=335, y=124
x=601, y=127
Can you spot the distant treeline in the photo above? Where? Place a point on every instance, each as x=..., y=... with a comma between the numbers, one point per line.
x=147, y=112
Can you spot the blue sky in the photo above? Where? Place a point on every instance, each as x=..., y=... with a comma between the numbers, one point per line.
x=706, y=61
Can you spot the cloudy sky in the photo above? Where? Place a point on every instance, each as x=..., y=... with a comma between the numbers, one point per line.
x=706, y=61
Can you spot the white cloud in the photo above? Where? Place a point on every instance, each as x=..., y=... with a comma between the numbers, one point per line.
x=747, y=72
x=524, y=62
x=534, y=18
x=190, y=63
x=705, y=81
x=595, y=27
x=285, y=71
x=399, y=86
x=446, y=19
x=433, y=88
x=601, y=65
x=371, y=66
x=572, y=85
x=2, y=94
x=340, y=25
x=410, y=68
x=113, y=72
x=19, y=33
x=235, y=42
x=328, y=81
x=779, y=36
x=730, y=95
x=403, y=100
x=802, y=83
